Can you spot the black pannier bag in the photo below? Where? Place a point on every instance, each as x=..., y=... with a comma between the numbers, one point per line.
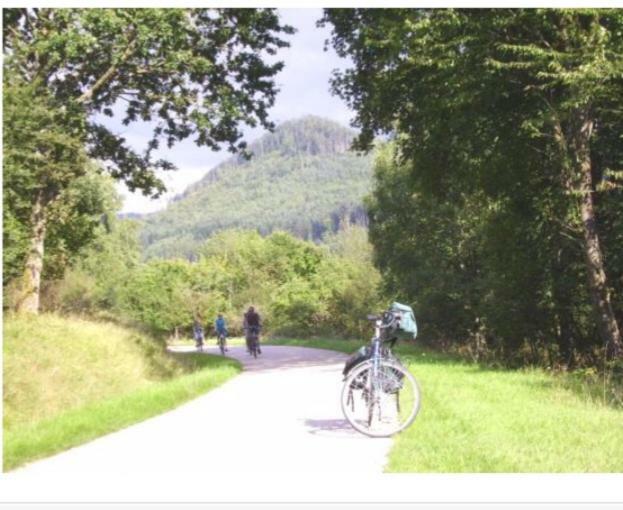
x=392, y=381
x=363, y=353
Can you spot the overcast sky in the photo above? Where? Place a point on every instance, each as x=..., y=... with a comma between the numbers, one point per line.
x=304, y=89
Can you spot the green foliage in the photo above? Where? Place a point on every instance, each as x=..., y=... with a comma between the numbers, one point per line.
x=42, y=141
x=158, y=295
x=99, y=272
x=495, y=276
x=298, y=306
x=301, y=179
x=195, y=72
x=483, y=212
x=75, y=220
x=426, y=249
x=295, y=285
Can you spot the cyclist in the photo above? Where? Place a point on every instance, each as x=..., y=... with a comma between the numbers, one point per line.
x=221, y=329
x=252, y=324
x=198, y=332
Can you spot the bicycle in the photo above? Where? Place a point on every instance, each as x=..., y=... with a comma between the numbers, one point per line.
x=253, y=341
x=221, y=339
x=199, y=340
x=380, y=397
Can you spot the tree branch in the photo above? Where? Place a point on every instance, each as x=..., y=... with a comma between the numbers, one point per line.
x=110, y=72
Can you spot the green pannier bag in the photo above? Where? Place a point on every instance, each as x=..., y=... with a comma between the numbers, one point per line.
x=404, y=326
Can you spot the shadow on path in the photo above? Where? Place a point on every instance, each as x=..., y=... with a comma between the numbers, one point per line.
x=276, y=357
x=335, y=428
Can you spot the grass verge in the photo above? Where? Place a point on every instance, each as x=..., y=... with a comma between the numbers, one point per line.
x=58, y=394
x=479, y=420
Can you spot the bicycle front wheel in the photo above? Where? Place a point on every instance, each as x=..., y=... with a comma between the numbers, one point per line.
x=381, y=404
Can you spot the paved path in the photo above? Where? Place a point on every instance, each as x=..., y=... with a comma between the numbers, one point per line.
x=281, y=414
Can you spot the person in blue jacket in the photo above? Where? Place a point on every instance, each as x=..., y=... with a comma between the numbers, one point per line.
x=221, y=328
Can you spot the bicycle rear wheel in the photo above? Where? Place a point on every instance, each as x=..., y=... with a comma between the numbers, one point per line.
x=253, y=346
x=380, y=405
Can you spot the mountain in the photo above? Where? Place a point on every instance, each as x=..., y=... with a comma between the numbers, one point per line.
x=301, y=178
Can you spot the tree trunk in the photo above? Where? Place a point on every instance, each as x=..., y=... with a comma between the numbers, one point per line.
x=562, y=312
x=606, y=320
x=28, y=299
x=565, y=339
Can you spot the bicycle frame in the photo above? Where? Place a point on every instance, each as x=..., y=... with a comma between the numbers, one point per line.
x=376, y=347
x=377, y=342
x=221, y=339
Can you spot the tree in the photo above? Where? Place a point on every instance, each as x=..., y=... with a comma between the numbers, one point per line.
x=192, y=72
x=39, y=135
x=471, y=94
x=83, y=210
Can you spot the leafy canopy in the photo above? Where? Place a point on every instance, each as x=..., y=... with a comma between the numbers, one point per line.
x=192, y=72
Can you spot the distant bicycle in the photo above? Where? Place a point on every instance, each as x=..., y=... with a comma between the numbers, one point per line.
x=222, y=343
x=253, y=340
x=198, y=335
x=380, y=397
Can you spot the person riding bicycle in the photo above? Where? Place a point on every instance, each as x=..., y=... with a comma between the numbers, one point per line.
x=252, y=325
x=220, y=327
x=198, y=332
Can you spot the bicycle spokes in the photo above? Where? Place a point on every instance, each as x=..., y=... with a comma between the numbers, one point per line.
x=380, y=402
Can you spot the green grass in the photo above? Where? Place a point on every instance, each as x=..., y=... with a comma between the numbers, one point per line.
x=478, y=420
x=67, y=381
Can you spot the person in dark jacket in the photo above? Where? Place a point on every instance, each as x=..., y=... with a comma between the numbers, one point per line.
x=252, y=324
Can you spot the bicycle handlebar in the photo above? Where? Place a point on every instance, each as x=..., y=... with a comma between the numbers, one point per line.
x=375, y=318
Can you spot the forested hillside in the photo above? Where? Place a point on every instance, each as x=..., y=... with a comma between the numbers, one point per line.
x=301, y=178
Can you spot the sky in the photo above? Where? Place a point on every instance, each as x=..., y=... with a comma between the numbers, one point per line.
x=303, y=89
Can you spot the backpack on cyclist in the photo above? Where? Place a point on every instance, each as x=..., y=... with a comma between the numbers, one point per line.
x=401, y=322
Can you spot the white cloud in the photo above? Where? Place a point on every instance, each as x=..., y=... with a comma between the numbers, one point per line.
x=175, y=181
